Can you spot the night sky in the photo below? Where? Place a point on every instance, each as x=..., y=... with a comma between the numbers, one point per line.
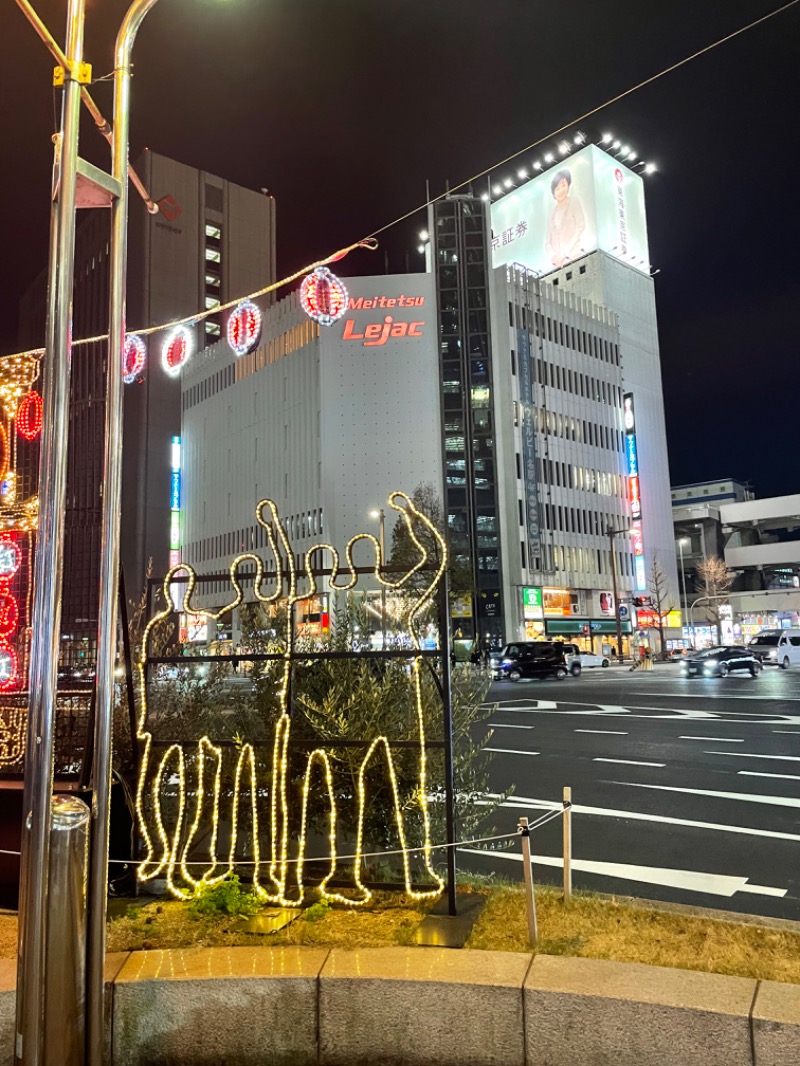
x=344, y=110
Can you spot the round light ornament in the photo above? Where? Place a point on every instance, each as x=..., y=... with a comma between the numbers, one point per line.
x=10, y=558
x=323, y=297
x=9, y=667
x=134, y=357
x=29, y=416
x=244, y=327
x=176, y=351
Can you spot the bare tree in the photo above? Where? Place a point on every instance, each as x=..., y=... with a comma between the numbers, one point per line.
x=714, y=581
x=660, y=599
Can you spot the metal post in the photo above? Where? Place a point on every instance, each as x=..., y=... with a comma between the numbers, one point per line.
x=447, y=721
x=530, y=899
x=611, y=534
x=46, y=626
x=683, y=576
x=567, y=831
x=383, y=586
x=109, y=554
x=65, y=1023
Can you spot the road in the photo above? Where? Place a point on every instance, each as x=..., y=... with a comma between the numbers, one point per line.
x=684, y=790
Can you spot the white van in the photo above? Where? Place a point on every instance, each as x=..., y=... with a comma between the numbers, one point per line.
x=777, y=647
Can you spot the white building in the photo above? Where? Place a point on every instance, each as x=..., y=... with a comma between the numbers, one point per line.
x=326, y=421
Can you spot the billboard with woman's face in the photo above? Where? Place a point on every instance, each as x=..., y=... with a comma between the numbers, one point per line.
x=588, y=201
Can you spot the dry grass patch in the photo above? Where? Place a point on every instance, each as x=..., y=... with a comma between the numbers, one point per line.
x=602, y=928
x=8, y=936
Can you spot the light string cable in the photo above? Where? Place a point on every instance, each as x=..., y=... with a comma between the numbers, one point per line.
x=370, y=243
x=589, y=114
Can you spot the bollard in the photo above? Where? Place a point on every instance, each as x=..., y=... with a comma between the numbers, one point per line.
x=567, y=830
x=65, y=960
x=530, y=899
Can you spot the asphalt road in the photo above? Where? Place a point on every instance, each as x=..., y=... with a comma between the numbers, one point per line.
x=683, y=790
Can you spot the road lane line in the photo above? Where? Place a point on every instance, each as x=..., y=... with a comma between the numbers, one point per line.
x=503, y=725
x=742, y=797
x=630, y=762
x=746, y=755
x=715, y=696
x=756, y=773
x=511, y=751
x=605, y=732
x=523, y=802
x=718, y=740
x=788, y=732
x=689, y=880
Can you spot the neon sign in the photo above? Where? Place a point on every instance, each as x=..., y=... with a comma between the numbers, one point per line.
x=10, y=562
x=634, y=492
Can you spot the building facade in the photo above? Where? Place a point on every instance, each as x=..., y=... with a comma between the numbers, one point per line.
x=325, y=421
x=211, y=241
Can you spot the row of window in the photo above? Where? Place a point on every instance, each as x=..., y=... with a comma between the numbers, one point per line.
x=554, y=424
x=574, y=520
x=212, y=326
x=597, y=561
x=297, y=526
x=563, y=377
x=569, y=476
x=557, y=332
x=210, y=386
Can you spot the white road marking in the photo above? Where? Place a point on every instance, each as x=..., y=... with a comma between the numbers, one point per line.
x=745, y=755
x=715, y=696
x=756, y=773
x=511, y=751
x=689, y=880
x=524, y=802
x=742, y=797
x=630, y=762
x=718, y=740
x=672, y=713
x=789, y=732
x=503, y=725
x=605, y=732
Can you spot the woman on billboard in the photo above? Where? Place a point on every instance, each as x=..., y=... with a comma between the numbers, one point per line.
x=566, y=223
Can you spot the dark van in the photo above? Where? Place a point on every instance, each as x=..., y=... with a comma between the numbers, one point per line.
x=543, y=658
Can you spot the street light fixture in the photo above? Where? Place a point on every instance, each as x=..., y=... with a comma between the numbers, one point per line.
x=381, y=516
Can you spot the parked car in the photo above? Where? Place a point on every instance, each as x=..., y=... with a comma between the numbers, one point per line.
x=524, y=659
x=583, y=659
x=777, y=647
x=721, y=661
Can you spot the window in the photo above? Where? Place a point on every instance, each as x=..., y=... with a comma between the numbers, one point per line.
x=582, y=270
x=213, y=231
x=212, y=255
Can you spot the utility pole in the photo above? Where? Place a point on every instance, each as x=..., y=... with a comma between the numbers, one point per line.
x=612, y=534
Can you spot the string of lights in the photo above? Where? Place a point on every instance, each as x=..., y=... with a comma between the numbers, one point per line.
x=167, y=846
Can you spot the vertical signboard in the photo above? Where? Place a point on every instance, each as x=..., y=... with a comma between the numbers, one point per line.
x=530, y=481
x=634, y=495
x=175, y=516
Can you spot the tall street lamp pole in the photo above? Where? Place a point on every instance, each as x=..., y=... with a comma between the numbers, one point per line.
x=612, y=534
x=681, y=542
x=46, y=622
x=381, y=516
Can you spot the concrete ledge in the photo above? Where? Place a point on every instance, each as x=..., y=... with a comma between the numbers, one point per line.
x=209, y=1006
x=776, y=1024
x=594, y=1012
x=398, y=1006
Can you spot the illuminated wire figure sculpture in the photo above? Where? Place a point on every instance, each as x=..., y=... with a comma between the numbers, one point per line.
x=168, y=842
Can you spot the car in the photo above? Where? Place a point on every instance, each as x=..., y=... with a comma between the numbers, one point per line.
x=777, y=647
x=584, y=659
x=525, y=659
x=721, y=661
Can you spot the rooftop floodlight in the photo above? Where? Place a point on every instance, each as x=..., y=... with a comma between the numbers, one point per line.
x=549, y=157
x=497, y=190
x=650, y=168
x=631, y=154
x=537, y=165
x=565, y=147
x=580, y=138
x=607, y=137
x=508, y=183
x=616, y=144
x=625, y=149
x=424, y=235
x=522, y=173
x=420, y=248
x=484, y=196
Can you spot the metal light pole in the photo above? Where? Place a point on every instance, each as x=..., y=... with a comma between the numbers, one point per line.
x=612, y=533
x=109, y=552
x=681, y=542
x=381, y=516
x=46, y=624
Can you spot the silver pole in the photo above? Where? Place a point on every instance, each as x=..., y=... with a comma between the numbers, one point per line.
x=567, y=837
x=383, y=587
x=48, y=568
x=109, y=555
x=65, y=1021
x=530, y=899
x=683, y=579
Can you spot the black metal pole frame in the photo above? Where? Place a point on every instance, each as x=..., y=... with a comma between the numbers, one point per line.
x=447, y=715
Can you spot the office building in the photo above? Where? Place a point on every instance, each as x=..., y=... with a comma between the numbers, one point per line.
x=211, y=241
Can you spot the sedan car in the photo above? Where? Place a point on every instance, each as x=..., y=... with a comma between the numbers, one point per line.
x=721, y=661
x=530, y=659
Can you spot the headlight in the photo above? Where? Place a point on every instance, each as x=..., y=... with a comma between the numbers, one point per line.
x=774, y=654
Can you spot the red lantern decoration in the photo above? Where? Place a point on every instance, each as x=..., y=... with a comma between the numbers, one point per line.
x=134, y=357
x=244, y=327
x=9, y=614
x=29, y=416
x=9, y=666
x=176, y=351
x=323, y=297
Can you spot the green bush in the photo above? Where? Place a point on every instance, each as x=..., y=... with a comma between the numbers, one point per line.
x=227, y=897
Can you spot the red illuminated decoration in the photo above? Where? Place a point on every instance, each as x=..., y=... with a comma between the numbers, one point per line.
x=29, y=416
x=323, y=297
x=5, y=460
x=244, y=327
x=176, y=351
x=134, y=357
x=10, y=562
